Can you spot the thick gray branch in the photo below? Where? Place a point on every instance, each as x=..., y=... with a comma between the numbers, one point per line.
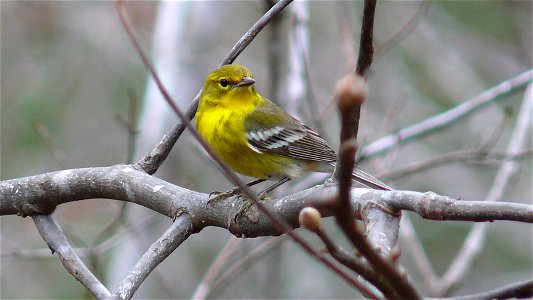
x=42, y=193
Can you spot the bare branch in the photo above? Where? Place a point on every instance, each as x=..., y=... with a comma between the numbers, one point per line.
x=124, y=183
x=366, y=45
x=41, y=193
x=180, y=230
x=56, y=240
x=404, y=30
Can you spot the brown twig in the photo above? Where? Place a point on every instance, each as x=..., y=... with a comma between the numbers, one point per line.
x=351, y=93
x=366, y=45
x=310, y=218
x=404, y=30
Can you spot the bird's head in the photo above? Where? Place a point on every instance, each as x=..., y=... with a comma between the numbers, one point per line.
x=229, y=83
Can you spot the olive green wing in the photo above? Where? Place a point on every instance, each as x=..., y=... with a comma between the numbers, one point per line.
x=269, y=129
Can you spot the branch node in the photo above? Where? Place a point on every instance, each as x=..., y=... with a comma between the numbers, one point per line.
x=350, y=91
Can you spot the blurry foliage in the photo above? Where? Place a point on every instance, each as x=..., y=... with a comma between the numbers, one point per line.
x=69, y=65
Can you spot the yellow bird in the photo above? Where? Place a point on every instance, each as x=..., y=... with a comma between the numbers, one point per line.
x=256, y=137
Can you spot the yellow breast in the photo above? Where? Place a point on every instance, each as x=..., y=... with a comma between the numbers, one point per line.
x=223, y=129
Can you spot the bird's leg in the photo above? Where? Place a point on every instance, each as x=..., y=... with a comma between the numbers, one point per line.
x=263, y=194
x=235, y=191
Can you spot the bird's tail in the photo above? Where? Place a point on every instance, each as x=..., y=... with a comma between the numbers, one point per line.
x=359, y=176
x=369, y=180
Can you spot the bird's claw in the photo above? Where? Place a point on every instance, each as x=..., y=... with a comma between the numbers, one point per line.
x=216, y=196
x=263, y=196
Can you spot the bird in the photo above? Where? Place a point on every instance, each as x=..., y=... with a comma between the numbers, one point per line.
x=256, y=137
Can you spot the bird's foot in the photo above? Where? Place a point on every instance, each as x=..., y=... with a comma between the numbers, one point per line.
x=263, y=195
x=216, y=196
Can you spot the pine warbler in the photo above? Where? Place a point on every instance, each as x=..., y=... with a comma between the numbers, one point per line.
x=256, y=137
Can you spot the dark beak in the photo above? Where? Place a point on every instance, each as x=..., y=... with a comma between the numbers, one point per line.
x=245, y=81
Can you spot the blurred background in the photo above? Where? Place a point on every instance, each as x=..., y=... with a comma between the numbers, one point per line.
x=71, y=84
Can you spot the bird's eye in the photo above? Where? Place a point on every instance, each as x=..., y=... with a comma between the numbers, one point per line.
x=224, y=82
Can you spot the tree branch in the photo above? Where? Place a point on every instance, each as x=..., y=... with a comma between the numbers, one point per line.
x=39, y=194
x=366, y=45
x=178, y=232
x=56, y=240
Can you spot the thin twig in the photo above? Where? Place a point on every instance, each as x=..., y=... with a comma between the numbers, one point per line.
x=350, y=100
x=243, y=264
x=100, y=248
x=404, y=30
x=447, y=118
x=204, y=287
x=58, y=155
x=350, y=108
x=357, y=265
x=366, y=44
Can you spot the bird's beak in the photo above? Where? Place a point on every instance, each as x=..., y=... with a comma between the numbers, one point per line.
x=245, y=81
